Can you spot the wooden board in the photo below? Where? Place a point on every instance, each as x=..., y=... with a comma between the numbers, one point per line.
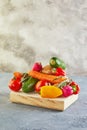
x=35, y=99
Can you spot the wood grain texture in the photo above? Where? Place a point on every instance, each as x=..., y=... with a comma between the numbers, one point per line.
x=35, y=99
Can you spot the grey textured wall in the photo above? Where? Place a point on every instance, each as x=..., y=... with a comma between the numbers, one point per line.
x=35, y=30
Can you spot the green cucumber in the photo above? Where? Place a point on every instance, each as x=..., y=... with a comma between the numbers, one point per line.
x=63, y=65
x=56, y=62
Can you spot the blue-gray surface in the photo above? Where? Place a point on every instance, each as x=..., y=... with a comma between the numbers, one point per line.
x=22, y=117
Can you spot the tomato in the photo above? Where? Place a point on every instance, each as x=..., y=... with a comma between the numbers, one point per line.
x=15, y=85
x=41, y=83
x=75, y=86
x=60, y=72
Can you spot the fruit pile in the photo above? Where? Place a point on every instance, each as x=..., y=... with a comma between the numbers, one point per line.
x=49, y=81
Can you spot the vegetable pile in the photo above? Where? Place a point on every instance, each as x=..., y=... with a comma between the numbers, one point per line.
x=49, y=81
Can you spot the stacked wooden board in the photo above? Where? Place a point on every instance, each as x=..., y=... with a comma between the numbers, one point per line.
x=35, y=99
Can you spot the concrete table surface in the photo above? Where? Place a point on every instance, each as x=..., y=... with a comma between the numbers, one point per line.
x=22, y=117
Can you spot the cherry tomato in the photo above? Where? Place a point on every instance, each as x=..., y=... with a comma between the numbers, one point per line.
x=75, y=86
x=60, y=72
x=15, y=85
x=41, y=83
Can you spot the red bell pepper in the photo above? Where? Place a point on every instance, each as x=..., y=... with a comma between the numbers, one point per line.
x=60, y=72
x=75, y=87
x=41, y=83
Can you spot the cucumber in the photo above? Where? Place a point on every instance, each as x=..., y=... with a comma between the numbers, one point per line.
x=63, y=65
x=56, y=62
